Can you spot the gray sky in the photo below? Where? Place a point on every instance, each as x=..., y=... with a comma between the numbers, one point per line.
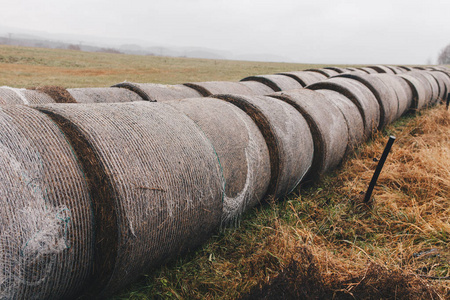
x=315, y=31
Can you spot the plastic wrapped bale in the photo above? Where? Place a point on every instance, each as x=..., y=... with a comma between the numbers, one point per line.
x=420, y=98
x=103, y=95
x=386, y=97
x=368, y=70
x=327, y=124
x=9, y=95
x=57, y=93
x=401, y=88
x=287, y=136
x=220, y=87
x=359, y=94
x=258, y=88
x=160, y=184
x=353, y=118
x=445, y=83
x=382, y=69
x=327, y=72
x=276, y=82
x=241, y=149
x=337, y=69
x=426, y=85
x=305, y=77
x=46, y=224
x=160, y=92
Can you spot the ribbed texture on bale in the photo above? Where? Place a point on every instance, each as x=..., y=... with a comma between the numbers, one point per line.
x=381, y=69
x=420, y=98
x=327, y=72
x=103, y=95
x=162, y=187
x=220, y=87
x=241, y=149
x=159, y=92
x=305, y=77
x=327, y=124
x=287, y=136
x=46, y=224
x=359, y=94
x=9, y=95
x=355, y=123
x=276, y=82
x=258, y=88
x=57, y=93
x=386, y=97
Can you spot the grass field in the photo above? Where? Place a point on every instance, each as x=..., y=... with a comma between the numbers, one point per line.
x=321, y=240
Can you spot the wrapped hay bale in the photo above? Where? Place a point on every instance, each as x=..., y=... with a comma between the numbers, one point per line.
x=276, y=82
x=407, y=69
x=220, y=87
x=57, y=93
x=9, y=95
x=287, y=136
x=338, y=70
x=160, y=184
x=258, y=88
x=327, y=72
x=46, y=224
x=401, y=88
x=359, y=94
x=420, y=98
x=327, y=124
x=382, y=69
x=368, y=70
x=352, y=116
x=305, y=77
x=386, y=97
x=103, y=95
x=444, y=81
x=241, y=148
x=159, y=92
x=426, y=86
x=434, y=86
x=396, y=70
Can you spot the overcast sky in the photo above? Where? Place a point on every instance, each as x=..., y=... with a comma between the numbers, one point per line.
x=315, y=31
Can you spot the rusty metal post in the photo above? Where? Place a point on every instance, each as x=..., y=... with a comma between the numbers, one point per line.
x=380, y=165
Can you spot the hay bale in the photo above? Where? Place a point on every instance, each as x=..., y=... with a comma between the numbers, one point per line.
x=159, y=92
x=396, y=69
x=287, y=136
x=359, y=94
x=241, y=148
x=103, y=95
x=434, y=86
x=327, y=124
x=368, y=70
x=9, y=95
x=428, y=88
x=420, y=98
x=402, y=89
x=276, y=82
x=381, y=69
x=407, y=69
x=46, y=225
x=258, y=88
x=327, y=72
x=305, y=77
x=57, y=93
x=386, y=97
x=338, y=70
x=353, y=118
x=160, y=185
x=220, y=87
x=444, y=80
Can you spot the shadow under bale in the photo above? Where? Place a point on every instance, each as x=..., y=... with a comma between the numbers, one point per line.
x=287, y=136
x=327, y=124
x=46, y=224
x=241, y=149
x=276, y=82
x=103, y=95
x=159, y=185
x=159, y=92
x=9, y=95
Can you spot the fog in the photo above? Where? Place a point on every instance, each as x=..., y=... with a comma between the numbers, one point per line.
x=324, y=31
